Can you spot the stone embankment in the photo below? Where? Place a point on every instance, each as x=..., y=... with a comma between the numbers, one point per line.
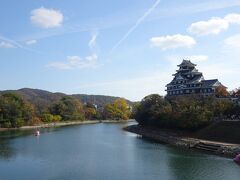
x=186, y=142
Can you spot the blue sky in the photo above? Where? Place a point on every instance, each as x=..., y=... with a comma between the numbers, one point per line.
x=121, y=48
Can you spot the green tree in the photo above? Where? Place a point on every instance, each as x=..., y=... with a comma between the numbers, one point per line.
x=69, y=109
x=14, y=111
x=189, y=112
x=154, y=110
x=49, y=118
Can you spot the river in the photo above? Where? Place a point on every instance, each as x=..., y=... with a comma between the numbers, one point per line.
x=104, y=152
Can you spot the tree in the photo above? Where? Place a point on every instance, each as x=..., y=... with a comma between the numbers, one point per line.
x=135, y=108
x=236, y=93
x=14, y=110
x=90, y=111
x=221, y=91
x=121, y=105
x=69, y=109
x=189, y=112
x=49, y=118
x=117, y=110
x=153, y=110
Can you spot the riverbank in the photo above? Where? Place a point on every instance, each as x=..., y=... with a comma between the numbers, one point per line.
x=118, y=121
x=185, y=140
x=48, y=125
x=68, y=123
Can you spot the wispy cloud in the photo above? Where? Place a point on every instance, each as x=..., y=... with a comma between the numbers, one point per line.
x=76, y=62
x=93, y=41
x=119, y=19
x=4, y=44
x=46, y=18
x=31, y=42
x=18, y=45
x=172, y=41
x=233, y=41
x=192, y=8
x=135, y=25
x=10, y=41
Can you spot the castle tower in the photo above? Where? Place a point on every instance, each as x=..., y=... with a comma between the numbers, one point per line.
x=187, y=80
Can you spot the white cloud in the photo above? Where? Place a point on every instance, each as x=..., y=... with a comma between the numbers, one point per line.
x=233, y=41
x=233, y=18
x=212, y=26
x=4, y=44
x=173, y=41
x=75, y=62
x=215, y=25
x=46, y=18
x=93, y=41
x=30, y=42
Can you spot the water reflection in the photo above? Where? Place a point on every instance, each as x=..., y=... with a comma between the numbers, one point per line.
x=103, y=151
x=6, y=151
x=187, y=164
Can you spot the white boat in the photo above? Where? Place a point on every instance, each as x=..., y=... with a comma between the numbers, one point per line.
x=37, y=133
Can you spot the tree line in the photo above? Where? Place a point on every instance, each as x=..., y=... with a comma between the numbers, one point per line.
x=187, y=112
x=15, y=111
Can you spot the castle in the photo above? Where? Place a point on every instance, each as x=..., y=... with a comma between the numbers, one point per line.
x=187, y=80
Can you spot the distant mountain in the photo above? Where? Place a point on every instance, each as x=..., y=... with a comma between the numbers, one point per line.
x=42, y=99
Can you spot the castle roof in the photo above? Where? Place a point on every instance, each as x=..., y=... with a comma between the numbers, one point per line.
x=187, y=63
x=211, y=83
x=198, y=78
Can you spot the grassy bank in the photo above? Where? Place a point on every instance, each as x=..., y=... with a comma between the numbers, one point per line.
x=224, y=131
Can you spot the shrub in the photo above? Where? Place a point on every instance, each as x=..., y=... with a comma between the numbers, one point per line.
x=6, y=124
x=19, y=122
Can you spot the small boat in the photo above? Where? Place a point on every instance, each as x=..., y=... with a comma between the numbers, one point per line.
x=237, y=159
x=37, y=133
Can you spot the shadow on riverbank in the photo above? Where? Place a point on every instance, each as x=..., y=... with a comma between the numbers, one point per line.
x=185, y=140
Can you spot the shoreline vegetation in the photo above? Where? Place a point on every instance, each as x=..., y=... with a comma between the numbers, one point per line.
x=16, y=111
x=68, y=123
x=210, y=123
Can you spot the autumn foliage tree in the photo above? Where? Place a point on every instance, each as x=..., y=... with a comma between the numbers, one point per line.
x=235, y=93
x=117, y=110
x=221, y=91
x=90, y=111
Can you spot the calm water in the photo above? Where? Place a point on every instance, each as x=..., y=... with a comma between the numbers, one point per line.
x=104, y=151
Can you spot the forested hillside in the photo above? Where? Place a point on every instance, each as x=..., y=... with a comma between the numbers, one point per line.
x=32, y=106
x=42, y=99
